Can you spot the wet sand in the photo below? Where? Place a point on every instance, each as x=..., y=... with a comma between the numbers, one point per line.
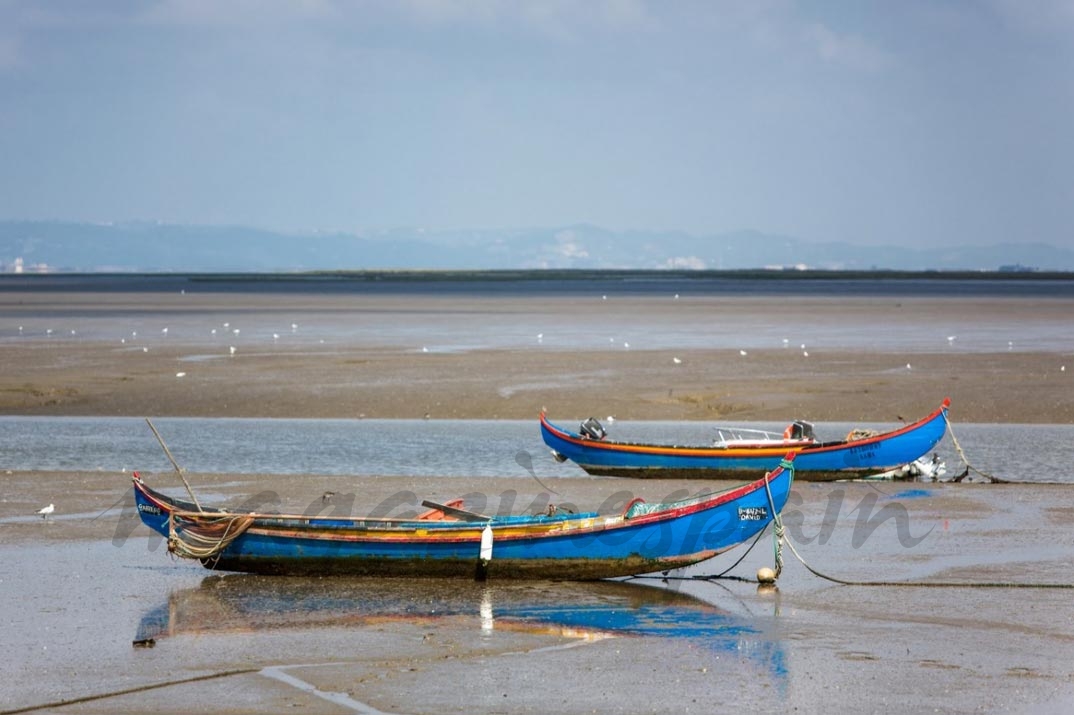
x=86, y=582
x=362, y=374
x=76, y=587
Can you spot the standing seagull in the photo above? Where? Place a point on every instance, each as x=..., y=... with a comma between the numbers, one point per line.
x=46, y=510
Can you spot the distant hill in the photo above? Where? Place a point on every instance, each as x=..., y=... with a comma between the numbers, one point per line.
x=153, y=247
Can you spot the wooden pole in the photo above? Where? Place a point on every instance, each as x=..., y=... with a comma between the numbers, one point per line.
x=175, y=464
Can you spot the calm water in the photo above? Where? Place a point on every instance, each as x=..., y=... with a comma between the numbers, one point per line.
x=433, y=448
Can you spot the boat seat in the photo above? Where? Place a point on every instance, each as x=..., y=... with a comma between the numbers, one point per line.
x=436, y=513
x=454, y=511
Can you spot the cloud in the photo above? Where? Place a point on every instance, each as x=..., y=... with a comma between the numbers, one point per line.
x=847, y=50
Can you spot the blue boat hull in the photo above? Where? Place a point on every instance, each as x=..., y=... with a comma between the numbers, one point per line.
x=817, y=462
x=642, y=539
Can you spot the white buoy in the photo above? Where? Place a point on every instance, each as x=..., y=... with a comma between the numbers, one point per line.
x=766, y=575
x=486, y=544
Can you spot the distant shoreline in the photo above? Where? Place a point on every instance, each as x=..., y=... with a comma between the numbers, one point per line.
x=567, y=281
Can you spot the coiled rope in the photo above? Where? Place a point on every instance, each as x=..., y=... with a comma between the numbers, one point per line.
x=203, y=538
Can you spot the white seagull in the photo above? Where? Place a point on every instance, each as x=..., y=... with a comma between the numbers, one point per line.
x=46, y=510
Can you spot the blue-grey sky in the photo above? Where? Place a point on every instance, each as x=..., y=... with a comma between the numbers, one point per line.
x=922, y=122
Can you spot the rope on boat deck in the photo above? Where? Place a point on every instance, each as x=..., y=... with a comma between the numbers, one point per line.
x=962, y=456
x=203, y=541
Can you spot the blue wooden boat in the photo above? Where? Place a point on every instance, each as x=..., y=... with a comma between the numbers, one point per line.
x=450, y=541
x=737, y=452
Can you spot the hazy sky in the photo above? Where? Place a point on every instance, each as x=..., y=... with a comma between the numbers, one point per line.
x=905, y=121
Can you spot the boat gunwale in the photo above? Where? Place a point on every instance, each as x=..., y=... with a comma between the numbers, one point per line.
x=395, y=529
x=730, y=452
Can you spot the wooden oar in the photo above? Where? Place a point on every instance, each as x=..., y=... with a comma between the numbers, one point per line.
x=175, y=464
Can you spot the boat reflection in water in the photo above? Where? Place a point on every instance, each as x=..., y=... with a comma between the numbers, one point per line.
x=244, y=603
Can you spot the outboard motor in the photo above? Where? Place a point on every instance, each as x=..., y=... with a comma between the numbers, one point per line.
x=592, y=429
x=800, y=430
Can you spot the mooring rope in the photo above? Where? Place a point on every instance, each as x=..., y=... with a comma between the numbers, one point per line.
x=127, y=691
x=778, y=532
x=849, y=582
x=777, y=520
x=926, y=584
x=778, y=537
x=962, y=456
